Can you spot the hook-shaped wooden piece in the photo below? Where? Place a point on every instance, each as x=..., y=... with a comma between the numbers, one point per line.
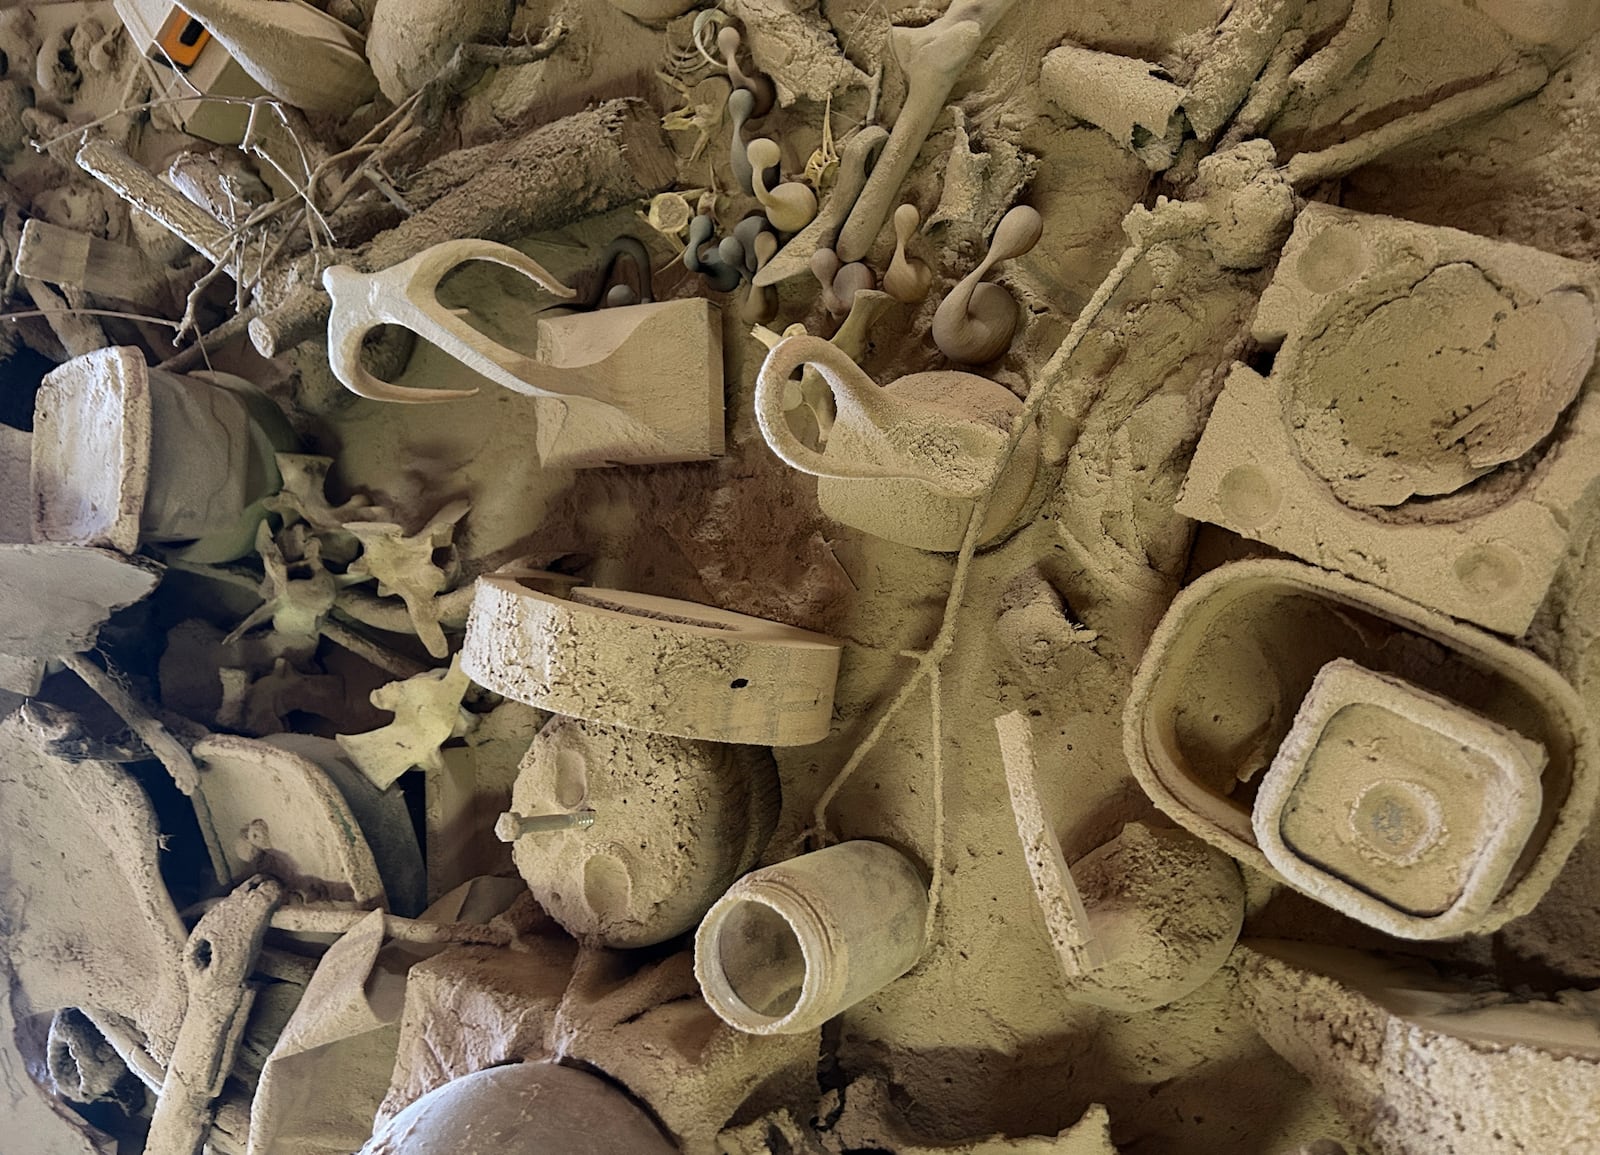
x=407, y=295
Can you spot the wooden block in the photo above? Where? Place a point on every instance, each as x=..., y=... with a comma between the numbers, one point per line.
x=1053, y=886
x=78, y=260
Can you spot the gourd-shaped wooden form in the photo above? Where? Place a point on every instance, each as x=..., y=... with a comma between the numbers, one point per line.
x=762, y=92
x=740, y=105
x=905, y=462
x=855, y=163
x=296, y=52
x=907, y=279
x=790, y=206
x=840, y=283
x=761, y=301
x=697, y=258
x=975, y=323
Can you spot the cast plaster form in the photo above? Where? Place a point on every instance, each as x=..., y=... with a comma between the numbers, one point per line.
x=1353, y=303
x=1262, y=630
x=676, y=822
x=1395, y=805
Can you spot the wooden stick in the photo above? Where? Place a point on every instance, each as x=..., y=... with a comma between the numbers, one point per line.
x=109, y=163
x=1053, y=885
x=315, y=920
x=1308, y=168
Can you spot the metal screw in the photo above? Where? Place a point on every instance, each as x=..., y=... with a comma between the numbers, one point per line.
x=512, y=826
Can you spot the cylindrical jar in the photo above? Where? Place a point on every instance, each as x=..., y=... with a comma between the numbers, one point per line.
x=790, y=946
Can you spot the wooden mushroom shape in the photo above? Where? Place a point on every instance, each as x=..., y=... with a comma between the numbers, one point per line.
x=975, y=323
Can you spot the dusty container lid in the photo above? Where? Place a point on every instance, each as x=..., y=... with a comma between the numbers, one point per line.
x=91, y=450
x=1396, y=806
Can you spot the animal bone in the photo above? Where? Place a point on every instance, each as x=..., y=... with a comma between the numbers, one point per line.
x=907, y=279
x=296, y=607
x=790, y=206
x=975, y=323
x=404, y=567
x=427, y=713
x=933, y=58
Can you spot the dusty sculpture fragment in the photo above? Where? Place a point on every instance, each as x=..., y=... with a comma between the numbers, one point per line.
x=657, y=853
x=123, y=453
x=1302, y=460
x=299, y=54
x=1127, y=98
x=790, y=206
x=1391, y=801
x=217, y=961
x=106, y=907
x=792, y=945
x=278, y=813
x=933, y=58
x=999, y=949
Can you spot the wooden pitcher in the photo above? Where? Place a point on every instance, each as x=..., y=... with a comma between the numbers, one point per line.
x=905, y=461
